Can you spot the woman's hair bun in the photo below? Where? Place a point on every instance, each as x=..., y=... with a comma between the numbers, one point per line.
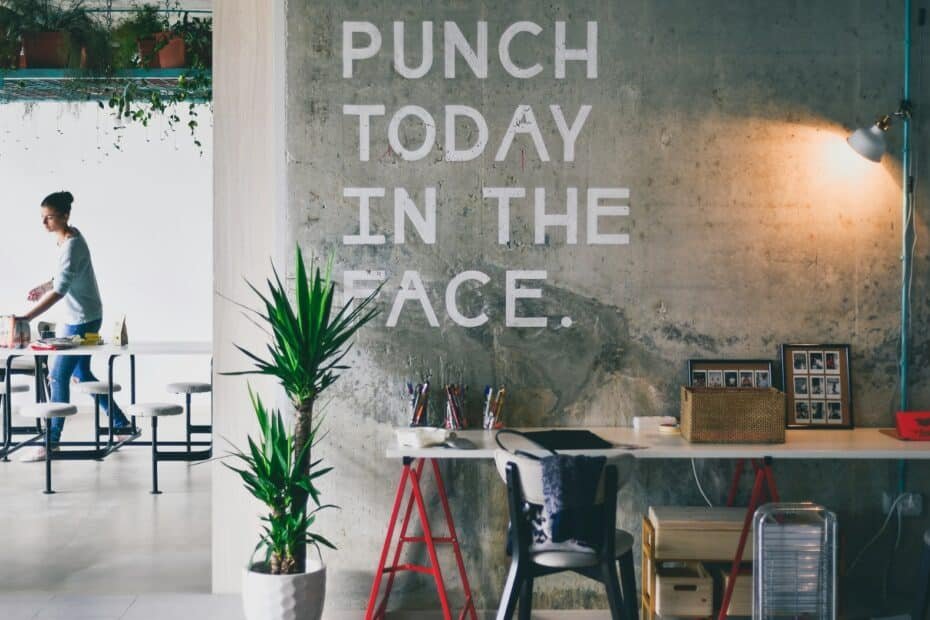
x=59, y=201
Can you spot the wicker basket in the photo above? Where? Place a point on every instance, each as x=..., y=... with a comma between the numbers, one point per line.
x=716, y=415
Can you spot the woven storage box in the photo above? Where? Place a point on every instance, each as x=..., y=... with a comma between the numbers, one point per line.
x=715, y=415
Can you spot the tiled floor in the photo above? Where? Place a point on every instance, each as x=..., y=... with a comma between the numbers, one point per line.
x=102, y=532
x=188, y=607
x=120, y=607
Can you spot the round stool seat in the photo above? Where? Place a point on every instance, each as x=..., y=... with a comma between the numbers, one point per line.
x=23, y=363
x=48, y=410
x=16, y=388
x=97, y=387
x=151, y=410
x=189, y=387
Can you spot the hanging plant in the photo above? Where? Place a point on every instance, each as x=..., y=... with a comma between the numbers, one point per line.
x=159, y=43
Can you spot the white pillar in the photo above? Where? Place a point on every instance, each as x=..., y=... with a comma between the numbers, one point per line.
x=249, y=211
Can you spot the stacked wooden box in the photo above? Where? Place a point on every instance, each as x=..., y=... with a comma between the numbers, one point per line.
x=677, y=542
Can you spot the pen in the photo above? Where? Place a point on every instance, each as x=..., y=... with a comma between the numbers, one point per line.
x=498, y=408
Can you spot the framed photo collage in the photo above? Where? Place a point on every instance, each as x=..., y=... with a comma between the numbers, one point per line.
x=816, y=380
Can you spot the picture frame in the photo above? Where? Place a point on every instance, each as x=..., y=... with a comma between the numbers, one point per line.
x=818, y=389
x=730, y=374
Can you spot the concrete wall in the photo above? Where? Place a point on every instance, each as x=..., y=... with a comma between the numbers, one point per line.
x=750, y=224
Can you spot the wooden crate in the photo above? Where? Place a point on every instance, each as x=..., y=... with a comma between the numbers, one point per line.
x=741, y=603
x=684, y=589
x=698, y=532
x=652, y=555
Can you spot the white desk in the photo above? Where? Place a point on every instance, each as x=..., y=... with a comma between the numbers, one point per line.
x=860, y=443
x=110, y=352
x=133, y=348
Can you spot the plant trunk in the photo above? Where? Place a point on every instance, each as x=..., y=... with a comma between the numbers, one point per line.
x=302, y=434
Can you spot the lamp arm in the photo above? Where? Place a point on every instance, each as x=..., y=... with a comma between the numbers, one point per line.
x=904, y=109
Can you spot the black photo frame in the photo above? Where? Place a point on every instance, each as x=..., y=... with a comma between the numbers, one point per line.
x=818, y=387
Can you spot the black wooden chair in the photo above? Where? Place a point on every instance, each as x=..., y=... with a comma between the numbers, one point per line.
x=530, y=561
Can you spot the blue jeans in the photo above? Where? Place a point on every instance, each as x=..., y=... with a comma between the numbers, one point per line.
x=78, y=366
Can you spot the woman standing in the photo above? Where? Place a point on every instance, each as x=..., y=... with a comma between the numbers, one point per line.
x=76, y=284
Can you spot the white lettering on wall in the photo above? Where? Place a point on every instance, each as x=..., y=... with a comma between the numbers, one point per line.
x=452, y=151
x=406, y=209
x=596, y=210
x=452, y=306
x=523, y=121
x=503, y=195
x=364, y=114
x=514, y=292
x=411, y=289
x=429, y=131
x=350, y=53
x=364, y=195
x=426, y=61
x=569, y=219
x=563, y=53
x=503, y=50
x=477, y=59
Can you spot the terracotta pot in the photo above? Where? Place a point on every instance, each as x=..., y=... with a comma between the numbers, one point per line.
x=45, y=50
x=173, y=54
x=148, y=59
x=284, y=597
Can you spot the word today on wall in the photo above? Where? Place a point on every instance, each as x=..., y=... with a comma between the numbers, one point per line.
x=362, y=42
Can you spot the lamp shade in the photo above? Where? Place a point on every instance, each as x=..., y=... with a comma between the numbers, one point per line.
x=870, y=143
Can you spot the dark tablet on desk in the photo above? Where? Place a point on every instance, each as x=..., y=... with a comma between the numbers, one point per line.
x=569, y=440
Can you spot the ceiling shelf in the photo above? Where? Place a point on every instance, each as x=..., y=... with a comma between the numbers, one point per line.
x=36, y=85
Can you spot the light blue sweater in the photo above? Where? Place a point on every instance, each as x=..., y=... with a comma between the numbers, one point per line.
x=76, y=281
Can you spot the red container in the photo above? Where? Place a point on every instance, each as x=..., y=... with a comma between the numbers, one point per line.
x=913, y=425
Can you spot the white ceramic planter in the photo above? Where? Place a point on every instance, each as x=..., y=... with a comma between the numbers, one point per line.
x=284, y=597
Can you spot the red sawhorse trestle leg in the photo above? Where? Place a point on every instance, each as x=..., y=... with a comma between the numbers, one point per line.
x=763, y=490
x=411, y=475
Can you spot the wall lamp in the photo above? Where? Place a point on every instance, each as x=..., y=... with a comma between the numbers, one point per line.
x=870, y=142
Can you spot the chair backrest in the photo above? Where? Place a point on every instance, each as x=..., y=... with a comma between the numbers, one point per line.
x=531, y=474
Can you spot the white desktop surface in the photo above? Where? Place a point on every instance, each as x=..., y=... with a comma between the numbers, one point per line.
x=133, y=348
x=860, y=443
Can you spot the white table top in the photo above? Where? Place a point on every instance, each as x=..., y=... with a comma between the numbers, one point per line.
x=860, y=443
x=133, y=348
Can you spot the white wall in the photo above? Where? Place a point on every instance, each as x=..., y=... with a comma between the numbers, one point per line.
x=146, y=211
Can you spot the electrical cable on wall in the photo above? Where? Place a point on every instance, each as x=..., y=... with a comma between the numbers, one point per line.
x=698, y=482
x=881, y=530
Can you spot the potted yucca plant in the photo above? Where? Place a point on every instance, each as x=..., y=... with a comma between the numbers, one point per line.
x=272, y=474
x=309, y=340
